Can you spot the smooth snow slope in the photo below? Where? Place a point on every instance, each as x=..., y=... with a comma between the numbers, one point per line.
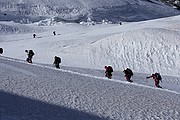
x=79, y=10
x=41, y=92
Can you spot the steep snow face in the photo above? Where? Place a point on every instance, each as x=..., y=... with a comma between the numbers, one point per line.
x=80, y=10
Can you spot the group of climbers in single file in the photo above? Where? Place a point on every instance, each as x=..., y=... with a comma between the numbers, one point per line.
x=128, y=74
x=108, y=69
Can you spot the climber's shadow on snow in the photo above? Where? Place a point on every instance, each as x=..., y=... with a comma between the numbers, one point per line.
x=18, y=107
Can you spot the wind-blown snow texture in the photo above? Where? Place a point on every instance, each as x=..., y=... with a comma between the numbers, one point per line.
x=79, y=10
x=79, y=90
x=42, y=92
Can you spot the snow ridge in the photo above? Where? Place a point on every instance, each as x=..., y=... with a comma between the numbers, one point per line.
x=52, y=94
x=81, y=74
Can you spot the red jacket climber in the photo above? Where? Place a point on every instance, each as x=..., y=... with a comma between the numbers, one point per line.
x=157, y=78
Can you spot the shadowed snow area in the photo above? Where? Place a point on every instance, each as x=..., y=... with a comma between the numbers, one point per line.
x=27, y=11
x=43, y=92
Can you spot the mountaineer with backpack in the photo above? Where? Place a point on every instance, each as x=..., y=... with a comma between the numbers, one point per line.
x=54, y=32
x=57, y=61
x=108, y=72
x=1, y=50
x=157, y=77
x=34, y=35
x=30, y=54
x=128, y=74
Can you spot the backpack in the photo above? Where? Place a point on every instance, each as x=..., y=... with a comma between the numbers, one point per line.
x=1, y=50
x=31, y=52
x=129, y=71
x=158, y=76
x=57, y=59
x=110, y=69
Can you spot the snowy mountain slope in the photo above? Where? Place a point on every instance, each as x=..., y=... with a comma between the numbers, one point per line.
x=79, y=10
x=144, y=48
x=47, y=93
x=79, y=90
x=170, y=83
x=139, y=50
x=148, y=46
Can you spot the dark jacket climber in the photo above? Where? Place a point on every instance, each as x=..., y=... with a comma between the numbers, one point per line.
x=1, y=50
x=54, y=33
x=34, y=35
x=128, y=74
x=57, y=61
x=30, y=54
